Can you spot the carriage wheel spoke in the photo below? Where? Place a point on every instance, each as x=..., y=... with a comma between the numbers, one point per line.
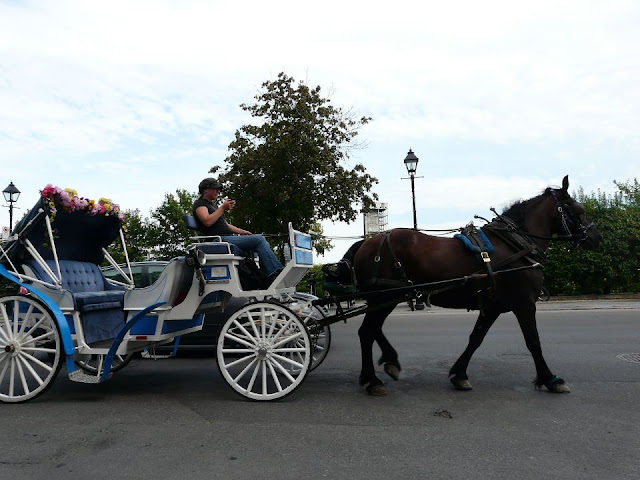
x=39, y=349
x=289, y=350
x=36, y=361
x=282, y=370
x=245, y=332
x=12, y=376
x=37, y=339
x=4, y=359
x=265, y=391
x=289, y=361
x=6, y=333
x=31, y=370
x=290, y=338
x=239, y=340
x=238, y=362
x=273, y=375
x=253, y=375
x=25, y=387
x=245, y=370
x=24, y=333
x=283, y=328
x=254, y=327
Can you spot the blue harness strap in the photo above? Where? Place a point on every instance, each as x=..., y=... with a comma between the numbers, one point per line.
x=487, y=247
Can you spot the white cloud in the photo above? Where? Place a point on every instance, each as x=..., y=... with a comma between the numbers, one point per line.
x=145, y=94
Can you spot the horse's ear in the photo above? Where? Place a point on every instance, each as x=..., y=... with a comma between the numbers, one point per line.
x=565, y=183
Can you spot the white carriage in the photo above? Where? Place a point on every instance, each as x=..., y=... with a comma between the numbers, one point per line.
x=59, y=308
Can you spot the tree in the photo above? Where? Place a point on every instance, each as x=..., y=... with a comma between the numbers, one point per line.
x=167, y=233
x=614, y=268
x=136, y=238
x=289, y=166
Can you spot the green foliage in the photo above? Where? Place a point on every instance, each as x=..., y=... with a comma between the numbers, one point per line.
x=167, y=234
x=614, y=268
x=288, y=167
x=135, y=227
x=315, y=276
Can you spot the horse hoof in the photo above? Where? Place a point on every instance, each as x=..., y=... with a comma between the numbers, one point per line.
x=461, y=383
x=376, y=390
x=559, y=388
x=392, y=370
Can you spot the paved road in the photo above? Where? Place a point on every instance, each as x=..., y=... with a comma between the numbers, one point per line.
x=176, y=418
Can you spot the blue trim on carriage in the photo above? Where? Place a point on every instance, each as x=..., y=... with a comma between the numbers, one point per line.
x=63, y=324
x=302, y=241
x=117, y=340
x=146, y=326
x=176, y=325
x=304, y=257
x=72, y=326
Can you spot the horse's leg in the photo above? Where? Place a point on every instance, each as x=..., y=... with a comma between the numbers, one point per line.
x=368, y=332
x=389, y=357
x=527, y=320
x=458, y=373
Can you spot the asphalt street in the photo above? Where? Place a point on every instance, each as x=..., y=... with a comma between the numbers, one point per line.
x=177, y=418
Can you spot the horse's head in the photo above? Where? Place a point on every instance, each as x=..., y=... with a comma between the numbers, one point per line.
x=572, y=221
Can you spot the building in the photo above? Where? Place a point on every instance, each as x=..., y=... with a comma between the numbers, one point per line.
x=376, y=220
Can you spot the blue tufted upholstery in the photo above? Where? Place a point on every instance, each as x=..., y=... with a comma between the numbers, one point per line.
x=100, y=302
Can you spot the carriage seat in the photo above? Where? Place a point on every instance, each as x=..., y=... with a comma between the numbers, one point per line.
x=88, y=286
x=171, y=287
x=100, y=302
x=215, y=247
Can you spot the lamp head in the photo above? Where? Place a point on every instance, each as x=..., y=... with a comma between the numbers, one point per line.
x=411, y=162
x=11, y=193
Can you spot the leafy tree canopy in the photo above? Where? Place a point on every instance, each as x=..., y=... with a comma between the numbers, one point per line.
x=290, y=166
x=614, y=268
x=167, y=233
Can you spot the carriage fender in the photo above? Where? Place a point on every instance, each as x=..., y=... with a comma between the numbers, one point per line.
x=63, y=324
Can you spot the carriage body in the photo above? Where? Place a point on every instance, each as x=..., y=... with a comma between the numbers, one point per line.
x=67, y=312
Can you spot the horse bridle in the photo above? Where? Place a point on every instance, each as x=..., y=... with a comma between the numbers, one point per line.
x=570, y=222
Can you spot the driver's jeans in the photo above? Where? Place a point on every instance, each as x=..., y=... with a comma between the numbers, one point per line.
x=256, y=243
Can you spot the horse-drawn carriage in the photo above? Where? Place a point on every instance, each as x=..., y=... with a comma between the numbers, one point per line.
x=67, y=310
x=62, y=310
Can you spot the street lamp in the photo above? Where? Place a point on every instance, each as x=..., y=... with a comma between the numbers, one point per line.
x=11, y=194
x=411, y=162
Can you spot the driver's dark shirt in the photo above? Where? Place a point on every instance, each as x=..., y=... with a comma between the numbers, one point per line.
x=220, y=227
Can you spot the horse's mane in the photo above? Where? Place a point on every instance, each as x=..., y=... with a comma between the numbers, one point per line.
x=518, y=211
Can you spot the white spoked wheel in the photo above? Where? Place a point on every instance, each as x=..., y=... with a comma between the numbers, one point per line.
x=320, y=336
x=30, y=349
x=264, y=351
x=93, y=363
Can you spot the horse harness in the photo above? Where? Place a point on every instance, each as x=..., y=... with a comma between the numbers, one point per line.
x=476, y=241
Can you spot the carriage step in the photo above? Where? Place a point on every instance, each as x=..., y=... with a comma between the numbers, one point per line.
x=82, y=377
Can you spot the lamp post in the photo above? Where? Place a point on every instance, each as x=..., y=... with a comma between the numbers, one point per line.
x=11, y=194
x=411, y=162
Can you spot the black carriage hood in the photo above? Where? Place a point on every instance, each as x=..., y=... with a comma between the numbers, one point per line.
x=78, y=235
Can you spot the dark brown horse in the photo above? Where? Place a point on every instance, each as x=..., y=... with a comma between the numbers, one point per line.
x=520, y=236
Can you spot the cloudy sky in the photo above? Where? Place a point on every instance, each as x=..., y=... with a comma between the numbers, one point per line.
x=499, y=99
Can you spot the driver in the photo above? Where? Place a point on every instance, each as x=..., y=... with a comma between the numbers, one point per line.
x=210, y=220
